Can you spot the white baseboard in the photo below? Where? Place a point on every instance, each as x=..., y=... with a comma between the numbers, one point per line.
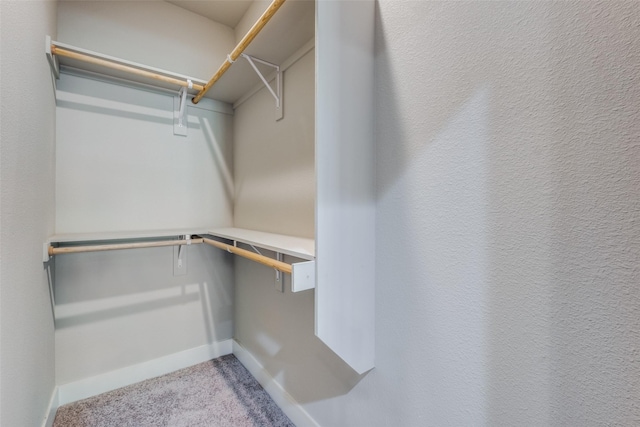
x=51, y=410
x=288, y=404
x=102, y=383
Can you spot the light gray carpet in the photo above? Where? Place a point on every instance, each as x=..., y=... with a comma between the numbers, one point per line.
x=217, y=393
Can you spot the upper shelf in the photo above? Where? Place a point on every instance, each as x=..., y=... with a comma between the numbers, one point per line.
x=289, y=245
x=115, y=68
x=288, y=31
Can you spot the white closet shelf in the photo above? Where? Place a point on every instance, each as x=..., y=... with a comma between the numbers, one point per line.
x=123, y=235
x=302, y=273
x=298, y=247
x=86, y=61
x=285, y=36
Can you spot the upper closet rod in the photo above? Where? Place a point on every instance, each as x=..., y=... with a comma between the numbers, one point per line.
x=235, y=54
x=55, y=50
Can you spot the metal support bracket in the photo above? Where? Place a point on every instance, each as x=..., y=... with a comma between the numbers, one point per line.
x=180, y=111
x=53, y=60
x=277, y=93
x=279, y=274
x=180, y=257
x=279, y=284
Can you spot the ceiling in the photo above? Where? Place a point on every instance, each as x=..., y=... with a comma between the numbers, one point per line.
x=227, y=12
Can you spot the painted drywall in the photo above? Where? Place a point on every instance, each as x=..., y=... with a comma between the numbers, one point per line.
x=507, y=226
x=509, y=210
x=249, y=18
x=157, y=34
x=121, y=308
x=27, y=112
x=121, y=168
x=274, y=173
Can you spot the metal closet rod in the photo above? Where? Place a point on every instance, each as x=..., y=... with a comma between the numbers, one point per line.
x=55, y=50
x=235, y=54
x=270, y=262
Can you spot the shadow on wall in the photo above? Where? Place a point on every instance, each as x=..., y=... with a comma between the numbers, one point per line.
x=278, y=329
x=100, y=97
x=462, y=257
x=70, y=315
x=120, y=308
x=507, y=184
x=94, y=287
x=119, y=165
x=432, y=274
x=221, y=152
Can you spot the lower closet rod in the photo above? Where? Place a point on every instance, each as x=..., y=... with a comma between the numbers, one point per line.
x=278, y=265
x=95, y=248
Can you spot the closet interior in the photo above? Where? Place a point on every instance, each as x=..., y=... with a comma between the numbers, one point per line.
x=163, y=177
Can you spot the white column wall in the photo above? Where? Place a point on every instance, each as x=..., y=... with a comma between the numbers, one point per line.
x=27, y=172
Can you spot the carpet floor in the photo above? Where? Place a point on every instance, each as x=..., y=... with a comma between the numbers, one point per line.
x=217, y=393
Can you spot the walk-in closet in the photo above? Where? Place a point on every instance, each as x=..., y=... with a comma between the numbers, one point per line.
x=197, y=216
x=386, y=212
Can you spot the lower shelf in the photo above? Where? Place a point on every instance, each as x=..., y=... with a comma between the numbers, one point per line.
x=289, y=245
x=302, y=273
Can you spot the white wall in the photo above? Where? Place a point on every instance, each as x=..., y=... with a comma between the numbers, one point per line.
x=508, y=211
x=27, y=212
x=121, y=168
x=119, y=165
x=122, y=308
x=274, y=172
x=158, y=34
x=508, y=228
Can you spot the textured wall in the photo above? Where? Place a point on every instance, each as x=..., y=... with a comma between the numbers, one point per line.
x=508, y=220
x=27, y=112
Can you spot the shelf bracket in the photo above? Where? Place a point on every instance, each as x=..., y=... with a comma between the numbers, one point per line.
x=279, y=275
x=277, y=93
x=180, y=110
x=53, y=60
x=180, y=256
